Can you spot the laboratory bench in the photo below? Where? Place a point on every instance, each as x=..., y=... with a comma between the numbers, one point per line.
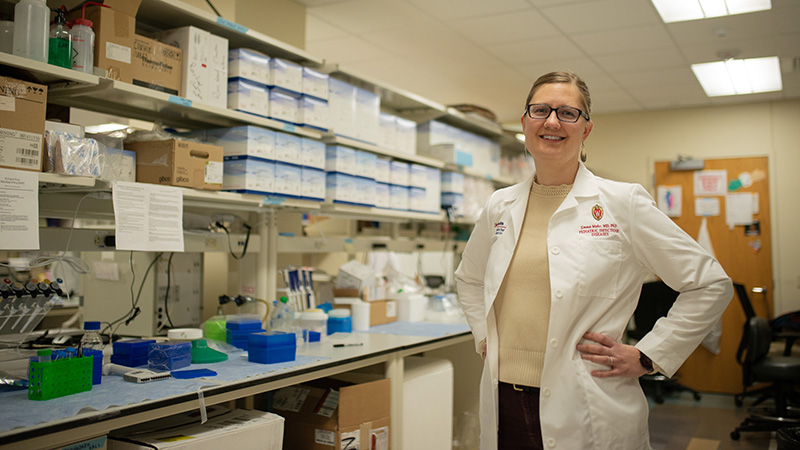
x=114, y=404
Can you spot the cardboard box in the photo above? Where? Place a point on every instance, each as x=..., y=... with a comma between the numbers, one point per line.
x=156, y=65
x=114, y=28
x=204, y=66
x=22, y=113
x=178, y=163
x=380, y=311
x=238, y=428
x=336, y=414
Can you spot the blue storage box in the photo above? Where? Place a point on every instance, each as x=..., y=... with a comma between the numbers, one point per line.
x=239, y=338
x=135, y=347
x=97, y=364
x=168, y=356
x=271, y=347
x=128, y=361
x=340, y=325
x=243, y=323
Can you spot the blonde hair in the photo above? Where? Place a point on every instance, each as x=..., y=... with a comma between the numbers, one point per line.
x=564, y=76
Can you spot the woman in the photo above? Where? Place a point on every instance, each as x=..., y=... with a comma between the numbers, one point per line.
x=552, y=274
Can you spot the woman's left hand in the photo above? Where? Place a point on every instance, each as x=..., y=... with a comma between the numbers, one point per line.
x=622, y=360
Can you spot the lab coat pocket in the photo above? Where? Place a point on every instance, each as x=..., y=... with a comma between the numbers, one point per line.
x=600, y=265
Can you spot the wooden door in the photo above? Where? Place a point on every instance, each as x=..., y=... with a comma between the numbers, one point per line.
x=745, y=256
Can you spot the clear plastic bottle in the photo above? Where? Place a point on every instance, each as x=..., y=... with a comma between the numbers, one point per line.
x=82, y=46
x=91, y=336
x=59, y=51
x=31, y=23
x=282, y=316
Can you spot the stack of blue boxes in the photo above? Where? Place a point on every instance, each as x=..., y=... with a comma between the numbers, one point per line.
x=239, y=328
x=131, y=352
x=168, y=356
x=271, y=347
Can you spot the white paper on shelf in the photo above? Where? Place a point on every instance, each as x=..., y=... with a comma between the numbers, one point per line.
x=19, y=210
x=148, y=217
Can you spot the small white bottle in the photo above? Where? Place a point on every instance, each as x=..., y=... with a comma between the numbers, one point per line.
x=31, y=29
x=82, y=46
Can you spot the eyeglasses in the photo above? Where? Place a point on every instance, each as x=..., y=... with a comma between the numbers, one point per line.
x=567, y=114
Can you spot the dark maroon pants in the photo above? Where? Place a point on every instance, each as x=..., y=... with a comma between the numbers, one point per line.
x=519, y=427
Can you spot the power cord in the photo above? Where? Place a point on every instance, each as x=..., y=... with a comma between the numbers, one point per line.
x=166, y=294
x=135, y=310
x=230, y=246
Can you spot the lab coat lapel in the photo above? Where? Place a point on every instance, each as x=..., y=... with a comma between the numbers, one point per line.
x=585, y=185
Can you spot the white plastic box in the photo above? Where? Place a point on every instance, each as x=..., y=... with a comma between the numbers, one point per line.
x=248, y=175
x=368, y=107
x=313, y=112
x=399, y=173
x=382, y=199
x=315, y=83
x=398, y=197
x=312, y=154
x=433, y=190
x=387, y=131
x=365, y=191
x=416, y=199
x=454, y=201
x=204, y=68
x=285, y=74
x=427, y=403
x=406, y=136
x=340, y=188
x=248, y=64
x=342, y=108
x=383, y=170
x=418, y=175
x=288, y=148
x=340, y=159
x=246, y=140
x=249, y=97
x=365, y=164
x=284, y=106
x=453, y=182
x=313, y=183
x=288, y=179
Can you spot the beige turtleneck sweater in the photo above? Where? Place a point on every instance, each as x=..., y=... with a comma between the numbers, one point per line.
x=522, y=306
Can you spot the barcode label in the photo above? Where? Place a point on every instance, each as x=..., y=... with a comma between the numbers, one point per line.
x=27, y=152
x=26, y=161
x=20, y=149
x=328, y=404
x=290, y=399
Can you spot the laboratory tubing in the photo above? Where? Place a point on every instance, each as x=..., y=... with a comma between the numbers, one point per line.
x=60, y=43
x=31, y=23
x=6, y=36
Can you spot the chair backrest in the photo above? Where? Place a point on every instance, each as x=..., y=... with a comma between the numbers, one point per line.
x=654, y=303
x=744, y=299
x=756, y=340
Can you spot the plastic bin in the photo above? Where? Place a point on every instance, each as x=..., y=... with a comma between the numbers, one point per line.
x=271, y=347
x=59, y=377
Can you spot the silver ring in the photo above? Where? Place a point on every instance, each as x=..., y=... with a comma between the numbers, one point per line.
x=610, y=361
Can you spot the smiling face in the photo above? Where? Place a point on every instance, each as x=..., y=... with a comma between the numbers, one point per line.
x=554, y=144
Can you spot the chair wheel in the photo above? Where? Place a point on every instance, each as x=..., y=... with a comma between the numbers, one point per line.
x=738, y=401
x=735, y=435
x=659, y=400
x=697, y=396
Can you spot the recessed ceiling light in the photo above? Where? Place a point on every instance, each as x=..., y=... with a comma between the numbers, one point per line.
x=739, y=76
x=682, y=10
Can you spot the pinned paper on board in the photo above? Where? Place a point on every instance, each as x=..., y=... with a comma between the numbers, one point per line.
x=670, y=200
x=739, y=209
x=710, y=183
x=706, y=207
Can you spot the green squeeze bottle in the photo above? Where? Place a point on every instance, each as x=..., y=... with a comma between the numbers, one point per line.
x=60, y=45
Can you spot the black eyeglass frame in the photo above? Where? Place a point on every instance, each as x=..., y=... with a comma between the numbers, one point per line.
x=581, y=113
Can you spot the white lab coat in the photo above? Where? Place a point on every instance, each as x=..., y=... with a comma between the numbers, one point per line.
x=603, y=240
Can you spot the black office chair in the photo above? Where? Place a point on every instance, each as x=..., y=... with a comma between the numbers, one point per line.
x=782, y=372
x=654, y=302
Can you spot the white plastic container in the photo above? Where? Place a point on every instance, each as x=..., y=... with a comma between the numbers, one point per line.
x=314, y=320
x=360, y=311
x=31, y=29
x=82, y=46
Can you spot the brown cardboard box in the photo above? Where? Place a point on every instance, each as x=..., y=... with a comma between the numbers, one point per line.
x=318, y=419
x=156, y=65
x=114, y=28
x=178, y=163
x=380, y=311
x=22, y=113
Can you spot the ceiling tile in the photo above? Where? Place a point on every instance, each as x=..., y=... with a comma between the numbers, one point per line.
x=658, y=78
x=448, y=10
x=624, y=40
x=641, y=60
x=505, y=27
x=421, y=38
x=534, y=51
x=602, y=15
x=783, y=46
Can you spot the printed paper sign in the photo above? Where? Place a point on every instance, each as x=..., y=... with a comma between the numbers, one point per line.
x=148, y=217
x=19, y=210
x=290, y=399
x=706, y=207
x=710, y=183
x=670, y=200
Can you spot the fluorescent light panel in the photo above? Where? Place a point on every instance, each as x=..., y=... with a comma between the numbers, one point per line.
x=739, y=76
x=682, y=10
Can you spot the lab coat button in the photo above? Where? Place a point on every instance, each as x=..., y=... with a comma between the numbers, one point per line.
x=551, y=442
x=559, y=294
x=546, y=392
x=554, y=342
x=554, y=250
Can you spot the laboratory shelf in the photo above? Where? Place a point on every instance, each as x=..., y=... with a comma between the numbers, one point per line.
x=101, y=239
x=125, y=99
x=48, y=73
x=168, y=14
x=378, y=214
x=319, y=244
